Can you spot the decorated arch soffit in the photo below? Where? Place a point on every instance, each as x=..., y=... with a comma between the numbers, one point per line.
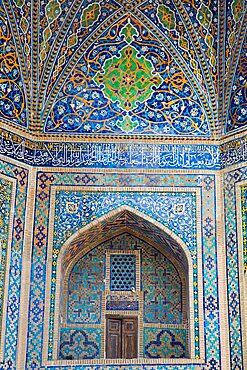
x=12, y=90
x=235, y=74
x=128, y=83
x=234, y=31
x=237, y=113
x=118, y=68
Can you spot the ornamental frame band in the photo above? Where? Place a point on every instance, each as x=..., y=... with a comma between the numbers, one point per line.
x=61, y=278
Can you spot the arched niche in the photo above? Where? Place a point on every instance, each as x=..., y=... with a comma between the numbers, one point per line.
x=126, y=221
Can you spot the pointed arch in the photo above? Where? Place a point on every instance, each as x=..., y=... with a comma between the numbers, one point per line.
x=84, y=235
x=110, y=225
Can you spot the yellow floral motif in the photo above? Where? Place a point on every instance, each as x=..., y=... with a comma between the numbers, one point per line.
x=90, y=15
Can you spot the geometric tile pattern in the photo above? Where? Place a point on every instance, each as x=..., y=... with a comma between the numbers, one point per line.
x=5, y=205
x=127, y=219
x=211, y=294
x=130, y=222
x=122, y=272
x=231, y=179
x=80, y=344
x=164, y=343
x=75, y=209
x=46, y=180
x=164, y=295
x=244, y=223
x=162, y=288
x=15, y=260
x=85, y=288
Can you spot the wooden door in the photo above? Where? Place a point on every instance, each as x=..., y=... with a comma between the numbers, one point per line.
x=121, y=337
x=129, y=338
x=114, y=338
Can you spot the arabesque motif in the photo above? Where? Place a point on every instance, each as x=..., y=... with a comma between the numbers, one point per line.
x=60, y=34
x=237, y=116
x=144, y=91
x=235, y=11
x=12, y=98
x=128, y=79
x=12, y=257
x=76, y=209
x=47, y=181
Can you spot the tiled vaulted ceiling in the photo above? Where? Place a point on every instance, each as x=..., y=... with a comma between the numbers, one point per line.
x=126, y=69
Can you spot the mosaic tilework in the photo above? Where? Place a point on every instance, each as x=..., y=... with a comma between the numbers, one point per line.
x=237, y=117
x=187, y=38
x=82, y=115
x=89, y=19
x=53, y=18
x=80, y=344
x=164, y=294
x=231, y=179
x=85, y=288
x=76, y=209
x=169, y=19
x=129, y=90
x=159, y=277
x=5, y=206
x=124, y=367
x=12, y=97
x=162, y=288
x=244, y=223
x=235, y=10
x=164, y=343
x=204, y=16
x=136, y=223
x=22, y=27
x=205, y=182
x=102, y=155
x=15, y=259
x=61, y=35
x=233, y=152
x=120, y=220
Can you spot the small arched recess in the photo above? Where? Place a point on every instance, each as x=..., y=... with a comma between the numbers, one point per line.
x=125, y=292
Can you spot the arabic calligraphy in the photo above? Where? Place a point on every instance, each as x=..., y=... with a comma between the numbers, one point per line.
x=109, y=155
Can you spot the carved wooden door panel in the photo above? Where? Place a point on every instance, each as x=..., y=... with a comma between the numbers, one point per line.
x=121, y=338
x=129, y=338
x=114, y=338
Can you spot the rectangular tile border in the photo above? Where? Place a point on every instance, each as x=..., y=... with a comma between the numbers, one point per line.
x=7, y=263
x=181, y=189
